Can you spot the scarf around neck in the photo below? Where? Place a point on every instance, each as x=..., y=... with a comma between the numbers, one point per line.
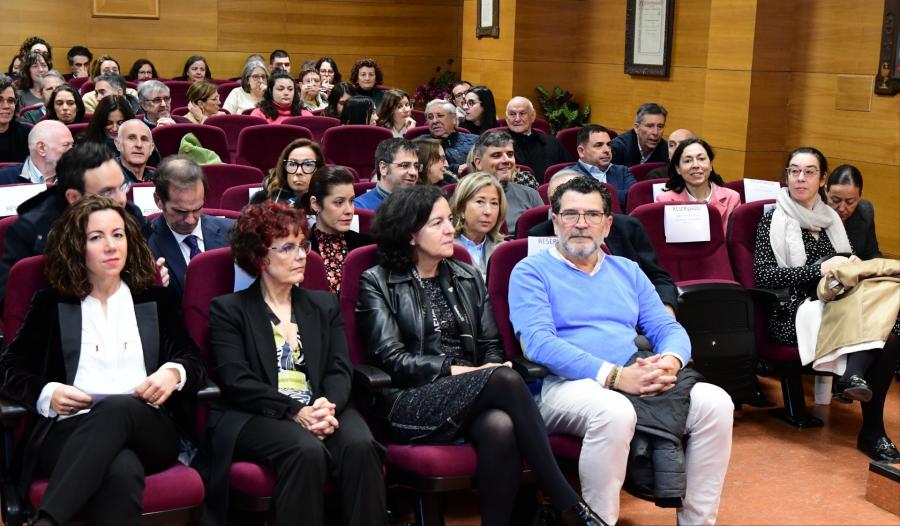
x=791, y=218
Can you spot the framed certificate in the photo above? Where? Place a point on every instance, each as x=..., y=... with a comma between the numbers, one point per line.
x=887, y=78
x=487, y=23
x=648, y=37
x=125, y=8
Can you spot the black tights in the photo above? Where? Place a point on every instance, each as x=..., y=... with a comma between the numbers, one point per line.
x=505, y=425
x=877, y=367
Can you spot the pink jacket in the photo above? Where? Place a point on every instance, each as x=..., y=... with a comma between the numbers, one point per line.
x=725, y=200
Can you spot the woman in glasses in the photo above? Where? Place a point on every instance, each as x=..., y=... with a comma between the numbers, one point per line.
x=203, y=102
x=33, y=66
x=289, y=180
x=254, y=78
x=280, y=355
x=481, y=112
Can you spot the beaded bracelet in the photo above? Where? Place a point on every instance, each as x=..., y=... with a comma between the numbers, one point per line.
x=617, y=378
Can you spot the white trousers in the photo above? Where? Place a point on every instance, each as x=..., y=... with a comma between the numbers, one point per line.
x=606, y=421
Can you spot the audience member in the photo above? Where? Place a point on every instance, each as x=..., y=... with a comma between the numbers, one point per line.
x=395, y=112
x=481, y=112
x=279, y=59
x=142, y=70
x=63, y=104
x=47, y=142
x=254, y=78
x=182, y=230
x=627, y=238
x=478, y=206
x=534, y=149
x=366, y=77
x=675, y=138
x=134, y=143
x=494, y=153
x=328, y=70
x=397, y=165
x=331, y=201
x=79, y=58
x=595, y=160
x=311, y=95
x=104, y=126
x=106, y=85
x=280, y=101
x=458, y=97
x=47, y=82
x=692, y=179
x=433, y=166
x=643, y=143
x=796, y=245
x=359, y=110
x=37, y=44
x=13, y=134
x=844, y=191
x=290, y=177
x=295, y=415
x=340, y=93
x=195, y=69
x=97, y=451
x=13, y=70
x=31, y=69
x=441, y=117
x=156, y=104
x=203, y=102
x=105, y=65
x=449, y=376
x=600, y=392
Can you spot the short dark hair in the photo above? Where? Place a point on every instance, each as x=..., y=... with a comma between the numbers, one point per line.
x=358, y=110
x=278, y=53
x=96, y=129
x=334, y=66
x=402, y=214
x=459, y=83
x=5, y=83
x=490, y=139
x=582, y=185
x=584, y=134
x=178, y=171
x=845, y=174
x=195, y=58
x=388, y=149
x=80, y=158
x=326, y=178
x=820, y=157
x=79, y=51
x=650, y=108
x=116, y=81
x=676, y=181
x=488, y=106
x=366, y=63
x=257, y=227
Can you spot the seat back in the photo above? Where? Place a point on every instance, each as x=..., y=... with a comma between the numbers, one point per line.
x=260, y=146
x=641, y=193
x=178, y=91
x=365, y=220
x=25, y=278
x=449, y=189
x=528, y=219
x=5, y=223
x=354, y=146
x=640, y=171
x=232, y=126
x=237, y=197
x=86, y=87
x=167, y=139
x=553, y=168
x=77, y=128
x=569, y=139
x=77, y=82
x=419, y=117
x=415, y=131
x=28, y=108
x=737, y=186
x=687, y=261
x=221, y=177
x=225, y=87
x=361, y=188
x=315, y=124
x=504, y=258
x=741, y=240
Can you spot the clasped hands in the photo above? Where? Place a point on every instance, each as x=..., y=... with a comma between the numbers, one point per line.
x=155, y=389
x=318, y=418
x=649, y=376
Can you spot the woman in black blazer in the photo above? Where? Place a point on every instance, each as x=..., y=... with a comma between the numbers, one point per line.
x=844, y=192
x=104, y=362
x=280, y=357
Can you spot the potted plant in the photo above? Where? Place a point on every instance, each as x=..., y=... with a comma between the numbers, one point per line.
x=436, y=88
x=561, y=110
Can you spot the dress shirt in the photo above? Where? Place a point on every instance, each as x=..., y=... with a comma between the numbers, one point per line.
x=185, y=249
x=595, y=172
x=30, y=173
x=476, y=250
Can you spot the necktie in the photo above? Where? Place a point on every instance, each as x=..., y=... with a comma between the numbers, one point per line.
x=191, y=242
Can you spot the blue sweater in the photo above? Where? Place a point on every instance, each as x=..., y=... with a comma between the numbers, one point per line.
x=370, y=200
x=574, y=323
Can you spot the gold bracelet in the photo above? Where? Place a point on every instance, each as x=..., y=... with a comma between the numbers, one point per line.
x=617, y=378
x=612, y=377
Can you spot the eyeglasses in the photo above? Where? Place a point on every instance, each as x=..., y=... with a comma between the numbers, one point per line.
x=308, y=166
x=571, y=217
x=459, y=95
x=214, y=99
x=471, y=102
x=795, y=171
x=159, y=100
x=109, y=194
x=407, y=165
x=258, y=77
x=289, y=249
x=11, y=101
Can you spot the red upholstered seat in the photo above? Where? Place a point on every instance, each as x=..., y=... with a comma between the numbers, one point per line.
x=232, y=126
x=315, y=124
x=569, y=139
x=528, y=219
x=433, y=461
x=419, y=117
x=361, y=188
x=365, y=220
x=237, y=197
x=86, y=87
x=223, y=176
x=641, y=193
x=354, y=146
x=168, y=138
x=224, y=87
x=77, y=128
x=640, y=171
x=178, y=91
x=4, y=226
x=412, y=133
x=553, y=168
x=260, y=146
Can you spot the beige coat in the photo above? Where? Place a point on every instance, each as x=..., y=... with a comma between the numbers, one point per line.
x=861, y=307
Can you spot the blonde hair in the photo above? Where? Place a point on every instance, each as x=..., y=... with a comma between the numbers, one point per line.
x=466, y=189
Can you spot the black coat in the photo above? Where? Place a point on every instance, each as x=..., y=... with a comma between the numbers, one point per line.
x=48, y=346
x=860, y=229
x=625, y=150
x=627, y=238
x=391, y=319
x=539, y=151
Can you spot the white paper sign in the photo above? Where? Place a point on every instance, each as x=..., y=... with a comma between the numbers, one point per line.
x=251, y=191
x=658, y=188
x=758, y=189
x=538, y=244
x=12, y=196
x=686, y=223
x=143, y=198
x=354, y=223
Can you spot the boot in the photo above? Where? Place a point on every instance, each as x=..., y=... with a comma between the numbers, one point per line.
x=581, y=515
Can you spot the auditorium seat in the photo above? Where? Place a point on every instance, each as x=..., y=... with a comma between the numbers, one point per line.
x=641, y=193
x=449, y=189
x=237, y=197
x=553, y=168
x=539, y=124
x=86, y=87
x=528, y=219
x=5, y=223
x=416, y=131
x=361, y=188
x=365, y=220
x=178, y=91
x=232, y=126
x=78, y=82
x=167, y=139
x=26, y=109
x=640, y=171
x=180, y=111
x=221, y=177
x=354, y=146
x=224, y=87
x=260, y=146
x=315, y=124
x=419, y=117
x=569, y=139
x=77, y=128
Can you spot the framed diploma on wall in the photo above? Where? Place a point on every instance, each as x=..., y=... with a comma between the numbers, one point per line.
x=487, y=23
x=648, y=37
x=125, y=8
x=887, y=78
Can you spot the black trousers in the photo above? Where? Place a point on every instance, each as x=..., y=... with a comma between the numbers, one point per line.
x=97, y=461
x=302, y=464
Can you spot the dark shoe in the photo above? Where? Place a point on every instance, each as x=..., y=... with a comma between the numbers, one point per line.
x=855, y=388
x=581, y=515
x=881, y=449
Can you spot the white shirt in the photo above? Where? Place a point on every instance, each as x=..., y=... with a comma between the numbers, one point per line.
x=595, y=171
x=31, y=173
x=112, y=356
x=186, y=250
x=238, y=101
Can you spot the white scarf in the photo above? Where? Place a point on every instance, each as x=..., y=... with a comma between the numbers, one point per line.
x=790, y=218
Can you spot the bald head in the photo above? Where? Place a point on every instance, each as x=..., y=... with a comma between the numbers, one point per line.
x=47, y=141
x=520, y=114
x=677, y=137
x=559, y=178
x=135, y=143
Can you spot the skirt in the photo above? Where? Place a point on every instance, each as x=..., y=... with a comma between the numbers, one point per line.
x=434, y=412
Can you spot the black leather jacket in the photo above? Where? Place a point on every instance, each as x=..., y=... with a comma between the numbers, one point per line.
x=391, y=320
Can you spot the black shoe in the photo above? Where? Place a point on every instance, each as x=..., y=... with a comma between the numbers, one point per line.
x=581, y=514
x=881, y=449
x=855, y=388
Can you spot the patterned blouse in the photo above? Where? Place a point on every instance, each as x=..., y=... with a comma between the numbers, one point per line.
x=291, y=364
x=333, y=249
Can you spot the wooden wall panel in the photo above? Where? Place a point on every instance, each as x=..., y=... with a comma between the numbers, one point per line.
x=731, y=27
x=836, y=36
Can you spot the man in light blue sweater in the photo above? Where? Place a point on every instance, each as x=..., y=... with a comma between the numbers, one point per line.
x=577, y=312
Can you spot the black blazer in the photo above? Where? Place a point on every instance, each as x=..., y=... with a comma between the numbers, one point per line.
x=860, y=229
x=48, y=347
x=627, y=238
x=625, y=150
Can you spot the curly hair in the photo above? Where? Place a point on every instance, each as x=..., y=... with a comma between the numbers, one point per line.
x=136, y=67
x=97, y=64
x=581, y=185
x=96, y=130
x=267, y=104
x=278, y=179
x=29, y=43
x=25, y=81
x=389, y=103
x=401, y=215
x=334, y=66
x=366, y=63
x=257, y=227
x=65, y=265
x=465, y=191
x=79, y=104
x=676, y=182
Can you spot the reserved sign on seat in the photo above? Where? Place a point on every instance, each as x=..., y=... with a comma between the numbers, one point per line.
x=686, y=223
x=13, y=195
